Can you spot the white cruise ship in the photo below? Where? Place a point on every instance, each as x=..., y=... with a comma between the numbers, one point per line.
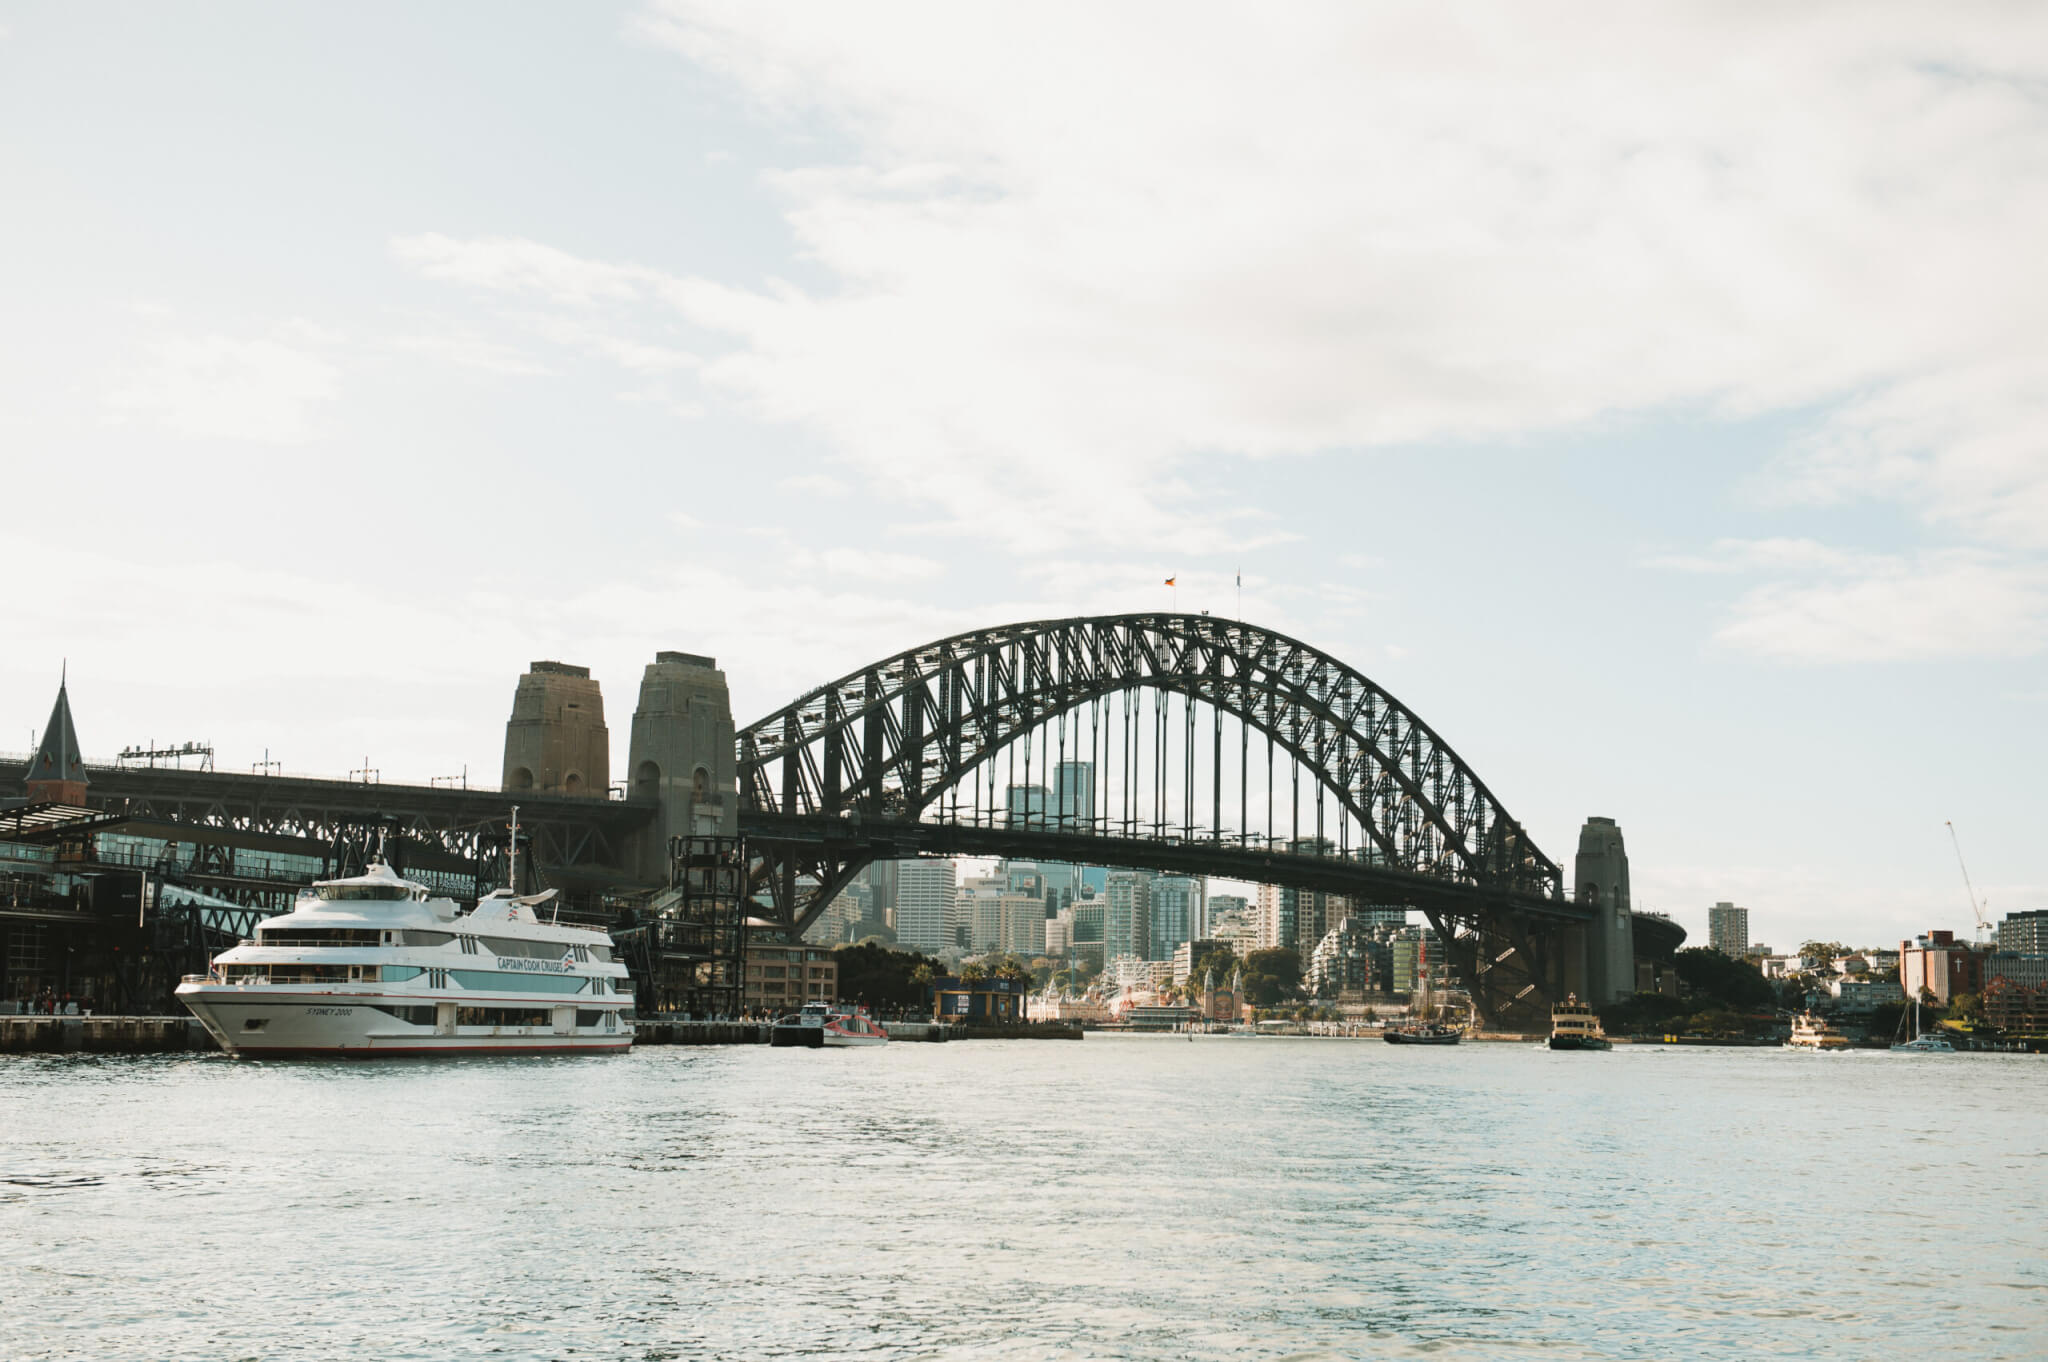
x=373, y=966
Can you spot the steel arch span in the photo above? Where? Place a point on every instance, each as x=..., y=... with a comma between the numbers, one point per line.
x=862, y=768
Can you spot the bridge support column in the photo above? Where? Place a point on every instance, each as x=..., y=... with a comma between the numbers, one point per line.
x=1600, y=878
x=682, y=755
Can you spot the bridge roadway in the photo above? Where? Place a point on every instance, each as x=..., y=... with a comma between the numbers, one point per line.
x=577, y=841
x=852, y=838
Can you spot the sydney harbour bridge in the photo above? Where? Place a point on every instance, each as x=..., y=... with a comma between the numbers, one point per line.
x=1167, y=742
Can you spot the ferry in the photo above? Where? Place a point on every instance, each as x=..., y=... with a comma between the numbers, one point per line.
x=372, y=965
x=828, y=1024
x=1573, y=1026
x=1810, y=1032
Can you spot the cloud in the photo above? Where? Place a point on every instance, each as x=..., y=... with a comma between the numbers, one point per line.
x=1831, y=605
x=815, y=484
x=214, y=386
x=1366, y=227
x=467, y=348
x=505, y=264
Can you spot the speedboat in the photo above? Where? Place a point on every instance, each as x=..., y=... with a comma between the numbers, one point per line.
x=828, y=1024
x=373, y=965
x=1573, y=1026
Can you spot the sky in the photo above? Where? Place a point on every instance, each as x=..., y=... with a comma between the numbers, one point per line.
x=1652, y=398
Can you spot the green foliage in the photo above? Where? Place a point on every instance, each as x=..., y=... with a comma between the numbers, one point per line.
x=1214, y=956
x=1271, y=975
x=973, y=972
x=1005, y=967
x=880, y=976
x=1967, y=1007
x=1823, y=953
x=1713, y=978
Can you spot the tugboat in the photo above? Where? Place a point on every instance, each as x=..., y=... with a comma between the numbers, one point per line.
x=1573, y=1026
x=1810, y=1032
x=828, y=1024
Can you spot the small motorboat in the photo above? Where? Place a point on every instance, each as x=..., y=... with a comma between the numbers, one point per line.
x=828, y=1024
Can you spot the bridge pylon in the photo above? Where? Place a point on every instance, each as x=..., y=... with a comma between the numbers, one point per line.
x=682, y=756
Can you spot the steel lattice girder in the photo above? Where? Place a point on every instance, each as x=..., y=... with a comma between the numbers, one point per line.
x=902, y=731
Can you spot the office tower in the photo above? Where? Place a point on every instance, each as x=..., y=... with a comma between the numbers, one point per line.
x=927, y=904
x=1728, y=930
x=1126, y=917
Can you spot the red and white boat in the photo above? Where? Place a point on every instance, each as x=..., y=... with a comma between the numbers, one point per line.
x=828, y=1024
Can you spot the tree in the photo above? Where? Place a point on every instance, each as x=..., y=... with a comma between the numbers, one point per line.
x=973, y=972
x=1215, y=956
x=1271, y=975
x=1714, y=978
x=879, y=976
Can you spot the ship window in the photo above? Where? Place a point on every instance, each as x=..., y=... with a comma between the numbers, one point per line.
x=501, y=1016
x=600, y=953
x=289, y=935
x=411, y=937
x=363, y=893
x=526, y=950
x=589, y=1017
x=416, y=1016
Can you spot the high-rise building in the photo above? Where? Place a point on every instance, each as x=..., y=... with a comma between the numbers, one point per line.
x=2025, y=933
x=1126, y=915
x=843, y=917
x=1379, y=915
x=1176, y=907
x=881, y=878
x=1267, y=916
x=1728, y=930
x=1073, y=787
x=927, y=905
x=1411, y=948
x=1026, y=805
x=1341, y=964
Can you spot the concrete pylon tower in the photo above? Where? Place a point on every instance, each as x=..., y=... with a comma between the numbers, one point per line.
x=556, y=740
x=682, y=754
x=56, y=773
x=1600, y=878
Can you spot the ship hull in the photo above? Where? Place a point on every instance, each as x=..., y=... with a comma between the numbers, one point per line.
x=1407, y=1038
x=1580, y=1043
x=253, y=1024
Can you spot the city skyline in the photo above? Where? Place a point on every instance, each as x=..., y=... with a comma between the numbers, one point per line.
x=1699, y=434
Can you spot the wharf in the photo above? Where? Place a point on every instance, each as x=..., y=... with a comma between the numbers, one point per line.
x=49, y=1034
x=667, y=1031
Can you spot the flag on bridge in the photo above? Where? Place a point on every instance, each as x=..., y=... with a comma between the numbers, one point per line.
x=1169, y=581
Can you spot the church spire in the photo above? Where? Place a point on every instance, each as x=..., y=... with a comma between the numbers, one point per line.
x=56, y=774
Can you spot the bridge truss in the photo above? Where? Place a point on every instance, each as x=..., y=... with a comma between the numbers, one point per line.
x=1158, y=741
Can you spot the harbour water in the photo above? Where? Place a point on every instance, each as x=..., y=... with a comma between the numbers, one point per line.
x=1126, y=1197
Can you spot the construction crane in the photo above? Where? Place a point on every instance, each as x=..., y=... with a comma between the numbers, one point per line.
x=1983, y=927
